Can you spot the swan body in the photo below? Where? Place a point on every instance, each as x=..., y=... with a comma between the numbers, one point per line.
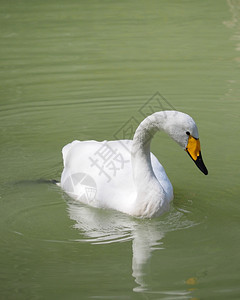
x=124, y=175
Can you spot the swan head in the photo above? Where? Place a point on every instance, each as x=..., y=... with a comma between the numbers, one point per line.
x=182, y=128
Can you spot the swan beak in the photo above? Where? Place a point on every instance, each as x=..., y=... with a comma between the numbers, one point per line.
x=194, y=151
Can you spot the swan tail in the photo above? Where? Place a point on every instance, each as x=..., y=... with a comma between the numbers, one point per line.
x=66, y=149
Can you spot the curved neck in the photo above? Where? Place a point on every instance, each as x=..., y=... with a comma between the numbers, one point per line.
x=159, y=121
x=144, y=134
x=148, y=187
x=140, y=151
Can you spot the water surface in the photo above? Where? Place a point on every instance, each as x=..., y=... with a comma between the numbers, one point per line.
x=82, y=70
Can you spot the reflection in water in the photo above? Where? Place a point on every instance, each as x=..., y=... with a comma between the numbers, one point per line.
x=234, y=23
x=103, y=227
x=234, y=6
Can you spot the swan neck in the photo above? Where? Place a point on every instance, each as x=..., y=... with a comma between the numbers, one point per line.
x=150, y=193
x=144, y=134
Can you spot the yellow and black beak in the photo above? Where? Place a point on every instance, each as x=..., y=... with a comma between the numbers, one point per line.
x=194, y=151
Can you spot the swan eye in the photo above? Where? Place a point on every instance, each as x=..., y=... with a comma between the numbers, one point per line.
x=187, y=133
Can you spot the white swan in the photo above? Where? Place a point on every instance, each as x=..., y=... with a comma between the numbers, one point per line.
x=124, y=175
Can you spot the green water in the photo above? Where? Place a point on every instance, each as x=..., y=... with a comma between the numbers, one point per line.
x=81, y=70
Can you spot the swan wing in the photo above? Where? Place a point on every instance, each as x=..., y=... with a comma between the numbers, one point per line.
x=105, y=167
x=162, y=177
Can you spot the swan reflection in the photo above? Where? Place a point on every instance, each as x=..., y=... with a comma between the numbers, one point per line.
x=105, y=227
